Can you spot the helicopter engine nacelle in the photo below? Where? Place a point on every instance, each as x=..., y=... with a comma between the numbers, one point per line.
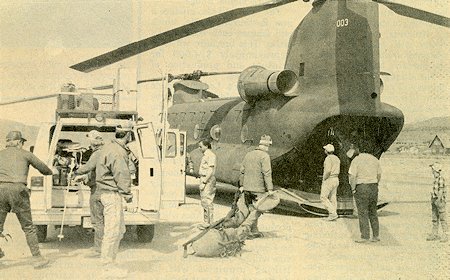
x=256, y=82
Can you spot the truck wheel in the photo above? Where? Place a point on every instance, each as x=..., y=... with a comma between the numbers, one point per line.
x=145, y=233
x=41, y=233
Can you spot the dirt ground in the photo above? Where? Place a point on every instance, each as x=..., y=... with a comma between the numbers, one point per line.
x=294, y=247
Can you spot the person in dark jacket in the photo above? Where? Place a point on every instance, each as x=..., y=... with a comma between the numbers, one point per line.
x=14, y=194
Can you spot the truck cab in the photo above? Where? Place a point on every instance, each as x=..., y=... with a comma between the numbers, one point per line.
x=57, y=200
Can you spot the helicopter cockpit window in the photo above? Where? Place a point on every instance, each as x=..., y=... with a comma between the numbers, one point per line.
x=171, y=149
x=215, y=132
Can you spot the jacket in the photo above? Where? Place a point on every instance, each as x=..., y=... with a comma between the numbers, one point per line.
x=15, y=163
x=111, y=168
x=256, y=172
x=84, y=169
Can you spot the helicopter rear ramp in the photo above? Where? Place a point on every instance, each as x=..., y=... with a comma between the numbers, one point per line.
x=309, y=203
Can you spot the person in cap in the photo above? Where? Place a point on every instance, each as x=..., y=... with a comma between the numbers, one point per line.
x=113, y=184
x=256, y=180
x=14, y=194
x=330, y=182
x=364, y=176
x=95, y=144
x=207, y=185
x=438, y=203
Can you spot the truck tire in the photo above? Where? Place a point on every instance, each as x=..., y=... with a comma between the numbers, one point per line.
x=41, y=233
x=145, y=233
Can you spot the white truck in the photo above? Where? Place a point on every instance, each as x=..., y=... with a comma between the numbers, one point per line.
x=57, y=199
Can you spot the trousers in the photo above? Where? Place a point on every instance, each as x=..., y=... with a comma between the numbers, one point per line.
x=328, y=195
x=253, y=214
x=366, y=197
x=207, y=194
x=438, y=215
x=114, y=225
x=97, y=220
x=15, y=197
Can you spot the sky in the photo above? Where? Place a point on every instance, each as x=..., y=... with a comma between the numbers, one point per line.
x=39, y=40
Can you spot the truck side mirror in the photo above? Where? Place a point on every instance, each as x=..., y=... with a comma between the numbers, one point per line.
x=31, y=148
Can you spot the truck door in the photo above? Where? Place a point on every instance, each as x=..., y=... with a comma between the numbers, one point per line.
x=149, y=169
x=55, y=136
x=174, y=168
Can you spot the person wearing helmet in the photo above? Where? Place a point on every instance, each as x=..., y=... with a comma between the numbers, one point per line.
x=438, y=209
x=330, y=182
x=14, y=194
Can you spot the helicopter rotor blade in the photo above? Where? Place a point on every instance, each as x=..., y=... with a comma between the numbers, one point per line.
x=173, y=35
x=186, y=76
x=418, y=14
x=26, y=99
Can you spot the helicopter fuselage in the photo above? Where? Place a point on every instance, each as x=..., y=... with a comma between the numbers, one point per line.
x=335, y=54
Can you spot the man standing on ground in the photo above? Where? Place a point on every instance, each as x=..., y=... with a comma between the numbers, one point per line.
x=330, y=182
x=207, y=185
x=364, y=176
x=256, y=179
x=438, y=202
x=113, y=182
x=14, y=194
x=96, y=143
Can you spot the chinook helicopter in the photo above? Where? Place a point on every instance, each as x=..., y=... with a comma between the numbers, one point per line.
x=328, y=92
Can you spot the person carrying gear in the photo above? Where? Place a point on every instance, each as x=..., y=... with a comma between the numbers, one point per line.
x=96, y=143
x=113, y=184
x=256, y=180
x=438, y=203
x=207, y=185
x=14, y=194
x=330, y=182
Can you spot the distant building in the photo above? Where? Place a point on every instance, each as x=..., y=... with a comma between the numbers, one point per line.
x=440, y=144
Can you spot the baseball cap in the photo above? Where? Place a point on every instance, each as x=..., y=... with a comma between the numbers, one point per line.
x=265, y=140
x=329, y=148
x=94, y=134
x=436, y=166
x=14, y=135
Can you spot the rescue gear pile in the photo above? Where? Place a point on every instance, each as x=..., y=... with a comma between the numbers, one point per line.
x=220, y=242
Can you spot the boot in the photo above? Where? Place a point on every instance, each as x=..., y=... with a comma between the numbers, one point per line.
x=206, y=219
x=254, y=231
x=40, y=262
